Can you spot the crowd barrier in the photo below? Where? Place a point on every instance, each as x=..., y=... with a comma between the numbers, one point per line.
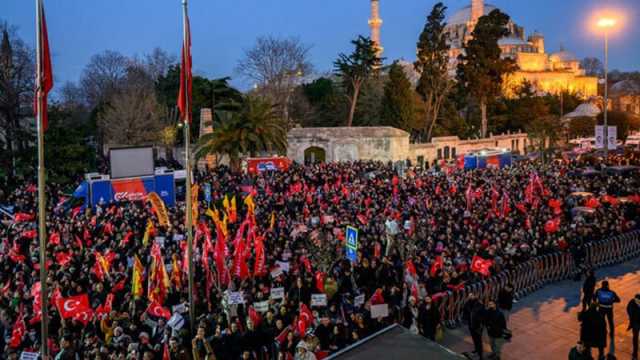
x=535, y=273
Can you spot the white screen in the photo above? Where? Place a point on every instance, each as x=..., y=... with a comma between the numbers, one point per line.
x=131, y=162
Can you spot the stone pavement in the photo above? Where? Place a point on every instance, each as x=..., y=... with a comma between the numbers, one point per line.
x=545, y=323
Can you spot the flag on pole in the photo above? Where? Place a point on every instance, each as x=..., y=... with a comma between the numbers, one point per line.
x=184, y=95
x=45, y=78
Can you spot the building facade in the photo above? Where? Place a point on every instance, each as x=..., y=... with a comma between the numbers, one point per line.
x=548, y=73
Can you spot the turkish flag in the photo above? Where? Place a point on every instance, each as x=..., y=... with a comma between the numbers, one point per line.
x=45, y=80
x=377, y=297
x=74, y=305
x=184, y=94
x=437, y=265
x=54, y=238
x=84, y=316
x=155, y=309
x=411, y=269
x=19, y=329
x=63, y=258
x=481, y=265
x=306, y=315
x=23, y=217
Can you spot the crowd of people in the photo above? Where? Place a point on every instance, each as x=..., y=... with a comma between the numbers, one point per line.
x=272, y=277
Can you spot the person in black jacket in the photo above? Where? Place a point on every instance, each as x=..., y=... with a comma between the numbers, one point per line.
x=606, y=298
x=505, y=302
x=496, y=325
x=633, y=310
x=429, y=319
x=593, y=329
x=473, y=314
x=588, y=288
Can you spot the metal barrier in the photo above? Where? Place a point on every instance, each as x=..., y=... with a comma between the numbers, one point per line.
x=535, y=273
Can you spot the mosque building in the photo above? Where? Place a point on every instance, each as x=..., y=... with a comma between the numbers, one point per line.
x=548, y=73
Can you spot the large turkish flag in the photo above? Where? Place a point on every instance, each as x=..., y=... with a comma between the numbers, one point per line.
x=74, y=305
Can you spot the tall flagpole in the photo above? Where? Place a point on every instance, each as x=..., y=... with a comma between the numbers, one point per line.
x=42, y=231
x=187, y=152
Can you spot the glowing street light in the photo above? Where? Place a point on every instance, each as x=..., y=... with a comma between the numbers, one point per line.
x=606, y=23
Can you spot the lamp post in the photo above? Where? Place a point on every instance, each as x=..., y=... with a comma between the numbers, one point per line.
x=605, y=24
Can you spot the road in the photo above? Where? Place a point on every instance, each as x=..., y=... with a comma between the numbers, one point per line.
x=545, y=324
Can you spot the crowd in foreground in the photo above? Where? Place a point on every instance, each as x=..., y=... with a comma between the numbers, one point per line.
x=268, y=247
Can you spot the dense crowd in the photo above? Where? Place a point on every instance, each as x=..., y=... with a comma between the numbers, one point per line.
x=419, y=235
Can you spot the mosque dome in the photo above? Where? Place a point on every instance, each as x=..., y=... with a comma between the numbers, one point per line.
x=463, y=16
x=563, y=56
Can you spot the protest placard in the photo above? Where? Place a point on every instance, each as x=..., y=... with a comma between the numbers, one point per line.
x=318, y=300
x=379, y=311
x=277, y=293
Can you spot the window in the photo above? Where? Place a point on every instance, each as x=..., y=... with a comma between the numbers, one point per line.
x=453, y=152
x=446, y=152
x=421, y=162
x=439, y=154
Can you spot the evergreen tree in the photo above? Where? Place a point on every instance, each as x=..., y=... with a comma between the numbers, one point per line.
x=432, y=64
x=481, y=69
x=355, y=69
x=398, y=106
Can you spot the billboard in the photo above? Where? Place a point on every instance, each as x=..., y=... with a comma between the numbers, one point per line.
x=131, y=162
x=134, y=189
x=256, y=165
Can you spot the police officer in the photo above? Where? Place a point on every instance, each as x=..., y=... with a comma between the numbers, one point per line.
x=606, y=298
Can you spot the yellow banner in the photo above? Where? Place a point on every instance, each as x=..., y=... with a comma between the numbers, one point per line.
x=159, y=208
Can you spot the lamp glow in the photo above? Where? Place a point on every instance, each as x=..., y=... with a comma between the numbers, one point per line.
x=606, y=23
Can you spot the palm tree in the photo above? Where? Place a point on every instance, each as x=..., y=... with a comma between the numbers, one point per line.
x=244, y=126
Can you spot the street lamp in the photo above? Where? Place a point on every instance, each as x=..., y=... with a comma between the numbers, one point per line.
x=606, y=23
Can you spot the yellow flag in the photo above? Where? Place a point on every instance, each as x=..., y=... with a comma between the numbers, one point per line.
x=194, y=201
x=136, y=285
x=225, y=203
x=147, y=233
x=225, y=223
x=272, y=222
x=251, y=206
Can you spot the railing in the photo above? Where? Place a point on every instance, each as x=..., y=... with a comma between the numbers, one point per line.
x=535, y=273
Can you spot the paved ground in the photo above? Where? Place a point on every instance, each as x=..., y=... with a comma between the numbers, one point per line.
x=545, y=324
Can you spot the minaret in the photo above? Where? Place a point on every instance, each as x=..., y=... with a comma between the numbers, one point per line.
x=375, y=23
x=477, y=10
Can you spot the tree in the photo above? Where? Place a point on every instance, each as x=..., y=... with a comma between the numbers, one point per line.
x=276, y=65
x=544, y=132
x=245, y=128
x=592, y=66
x=104, y=76
x=355, y=69
x=624, y=122
x=481, y=69
x=432, y=64
x=581, y=127
x=369, y=107
x=17, y=73
x=398, y=105
x=133, y=115
x=327, y=101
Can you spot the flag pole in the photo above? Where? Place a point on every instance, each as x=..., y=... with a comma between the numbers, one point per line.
x=42, y=231
x=187, y=152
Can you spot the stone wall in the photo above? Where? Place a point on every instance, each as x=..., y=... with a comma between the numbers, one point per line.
x=389, y=144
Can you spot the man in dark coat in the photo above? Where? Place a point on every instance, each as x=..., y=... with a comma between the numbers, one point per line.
x=505, y=302
x=429, y=319
x=633, y=310
x=593, y=329
x=473, y=314
x=606, y=298
x=496, y=325
x=588, y=288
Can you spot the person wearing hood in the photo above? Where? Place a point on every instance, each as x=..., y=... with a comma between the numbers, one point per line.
x=303, y=352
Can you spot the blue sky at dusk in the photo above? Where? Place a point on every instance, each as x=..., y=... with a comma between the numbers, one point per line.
x=223, y=28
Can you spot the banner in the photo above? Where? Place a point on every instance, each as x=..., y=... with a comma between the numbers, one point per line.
x=379, y=311
x=599, y=137
x=318, y=300
x=159, y=208
x=277, y=293
x=612, y=137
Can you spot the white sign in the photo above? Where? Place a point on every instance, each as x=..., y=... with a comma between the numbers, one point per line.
x=277, y=271
x=599, y=137
x=26, y=355
x=262, y=306
x=176, y=322
x=236, y=298
x=160, y=240
x=284, y=265
x=277, y=293
x=612, y=137
x=379, y=311
x=359, y=300
x=180, y=308
x=318, y=300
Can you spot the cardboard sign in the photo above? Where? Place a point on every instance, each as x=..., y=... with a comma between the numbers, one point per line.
x=379, y=311
x=277, y=293
x=318, y=300
x=261, y=307
x=236, y=298
x=358, y=300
